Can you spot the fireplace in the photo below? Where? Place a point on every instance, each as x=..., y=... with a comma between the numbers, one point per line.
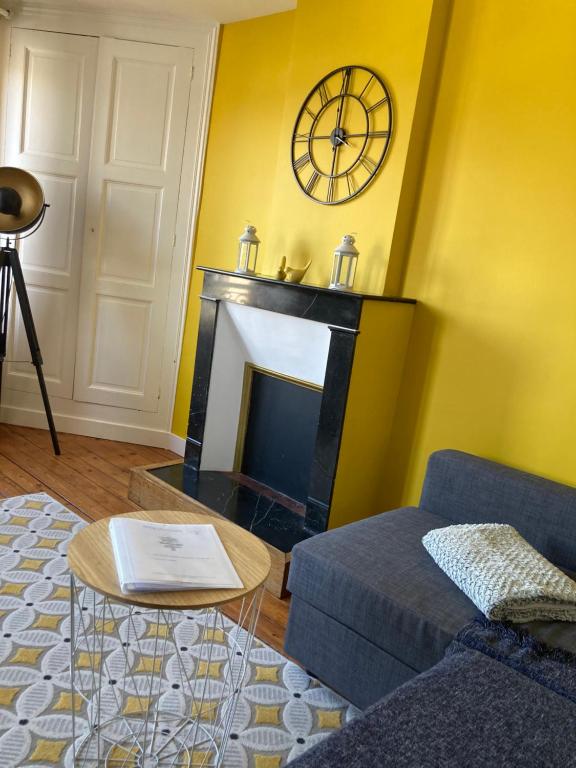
x=277, y=431
x=292, y=407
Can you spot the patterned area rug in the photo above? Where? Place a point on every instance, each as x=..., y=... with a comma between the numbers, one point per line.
x=280, y=714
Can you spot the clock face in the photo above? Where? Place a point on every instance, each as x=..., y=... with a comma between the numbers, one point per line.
x=342, y=134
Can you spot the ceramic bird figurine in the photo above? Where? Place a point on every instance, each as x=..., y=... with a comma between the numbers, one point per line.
x=295, y=275
x=281, y=274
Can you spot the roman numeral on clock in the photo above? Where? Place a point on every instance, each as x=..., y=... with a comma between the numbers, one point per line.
x=378, y=104
x=368, y=163
x=312, y=181
x=323, y=93
x=346, y=75
x=301, y=162
x=330, y=193
x=368, y=84
x=369, y=135
x=351, y=182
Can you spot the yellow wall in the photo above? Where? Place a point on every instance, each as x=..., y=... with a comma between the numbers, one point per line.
x=265, y=69
x=249, y=92
x=492, y=362
x=493, y=358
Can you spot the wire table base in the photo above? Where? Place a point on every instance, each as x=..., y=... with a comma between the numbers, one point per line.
x=154, y=688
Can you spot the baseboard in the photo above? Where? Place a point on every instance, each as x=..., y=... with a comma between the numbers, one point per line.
x=176, y=443
x=77, y=425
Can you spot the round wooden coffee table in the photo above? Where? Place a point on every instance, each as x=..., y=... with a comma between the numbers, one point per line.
x=155, y=677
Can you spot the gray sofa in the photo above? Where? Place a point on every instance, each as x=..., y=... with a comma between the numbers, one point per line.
x=498, y=698
x=370, y=609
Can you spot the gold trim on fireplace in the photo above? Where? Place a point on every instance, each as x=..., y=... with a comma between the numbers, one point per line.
x=249, y=370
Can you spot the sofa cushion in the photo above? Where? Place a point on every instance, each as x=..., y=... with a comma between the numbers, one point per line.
x=376, y=578
x=463, y=488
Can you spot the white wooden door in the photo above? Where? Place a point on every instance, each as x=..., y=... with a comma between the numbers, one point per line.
x=142, y=93
x=48, y=132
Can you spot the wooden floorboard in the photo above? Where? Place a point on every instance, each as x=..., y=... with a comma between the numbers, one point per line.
x=91, y=478
x=95, y=501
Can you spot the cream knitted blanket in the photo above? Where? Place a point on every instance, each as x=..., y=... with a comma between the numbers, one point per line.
x=505, y=577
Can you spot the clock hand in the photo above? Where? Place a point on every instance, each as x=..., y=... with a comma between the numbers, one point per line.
x=335, y=148
x=343, y=91
x=311, y=138
x=336, y=138
x=370, y=134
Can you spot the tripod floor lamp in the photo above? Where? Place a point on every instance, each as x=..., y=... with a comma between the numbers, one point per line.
x=22, y=210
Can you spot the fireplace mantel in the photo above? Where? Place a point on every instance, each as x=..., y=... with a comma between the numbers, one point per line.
x=352, y=346
x=313, y=302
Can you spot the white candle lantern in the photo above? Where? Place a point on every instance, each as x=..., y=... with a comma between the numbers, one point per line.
x=344, y=269
x=248, y=251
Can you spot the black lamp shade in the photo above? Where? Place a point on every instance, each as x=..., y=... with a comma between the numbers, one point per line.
x=21, y=200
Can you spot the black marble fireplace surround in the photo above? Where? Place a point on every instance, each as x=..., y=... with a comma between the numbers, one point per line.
x=275, y=522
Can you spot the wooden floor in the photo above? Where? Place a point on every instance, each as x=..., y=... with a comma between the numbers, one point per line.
x=91, y=478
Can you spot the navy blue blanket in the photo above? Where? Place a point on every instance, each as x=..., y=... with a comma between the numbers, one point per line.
x=498, y=698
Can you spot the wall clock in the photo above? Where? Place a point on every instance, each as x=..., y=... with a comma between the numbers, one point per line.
x=342, y=134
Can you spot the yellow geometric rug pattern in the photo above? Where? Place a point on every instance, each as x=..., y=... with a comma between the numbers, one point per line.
x=281, y=712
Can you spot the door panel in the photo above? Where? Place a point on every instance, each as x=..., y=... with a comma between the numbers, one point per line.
x=50, y=102
x=137, y=85
x=133, y=189
x=119, y=365
x=52, y=86
x=130, y=225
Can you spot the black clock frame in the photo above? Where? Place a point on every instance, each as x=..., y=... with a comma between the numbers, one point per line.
x=338, y=136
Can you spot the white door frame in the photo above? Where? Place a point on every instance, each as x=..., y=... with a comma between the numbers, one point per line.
x=108, y=421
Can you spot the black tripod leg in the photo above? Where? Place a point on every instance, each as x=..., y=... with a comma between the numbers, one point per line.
x=28, y=321
x=44, y=392
x=4, y=303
